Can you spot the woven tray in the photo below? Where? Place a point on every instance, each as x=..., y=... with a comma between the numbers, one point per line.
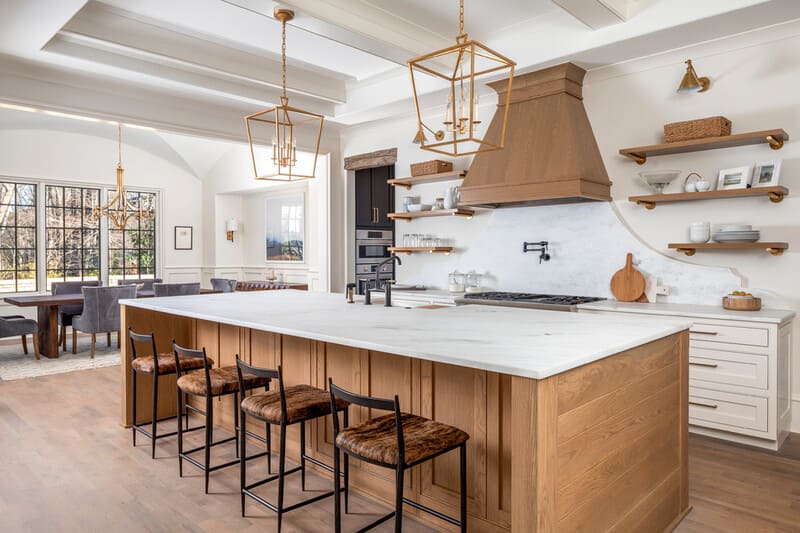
x=431, y=167
x=697, y=129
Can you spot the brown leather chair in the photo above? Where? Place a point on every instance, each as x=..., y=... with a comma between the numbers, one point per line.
x=284, y=407
x=210, y=383
x=155, y=365
x=398, y=441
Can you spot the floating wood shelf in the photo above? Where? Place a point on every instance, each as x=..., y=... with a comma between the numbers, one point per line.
x=775, y=194
x=467, y=213
x=775, y=139
x=689, y=248
x=421, y=249
x=427, y=178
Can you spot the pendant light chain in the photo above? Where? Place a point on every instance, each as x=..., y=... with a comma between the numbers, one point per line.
x=119, y=144
x=283, y=56
x=461, y=18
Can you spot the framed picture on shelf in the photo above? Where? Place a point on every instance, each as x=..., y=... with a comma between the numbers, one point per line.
x=183, y=237
x=767, y=174
x=733, y=178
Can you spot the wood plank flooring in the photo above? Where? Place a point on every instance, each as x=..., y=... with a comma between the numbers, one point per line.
x=68, y=466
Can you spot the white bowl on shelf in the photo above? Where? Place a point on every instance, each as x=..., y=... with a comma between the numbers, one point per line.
x=658, y=179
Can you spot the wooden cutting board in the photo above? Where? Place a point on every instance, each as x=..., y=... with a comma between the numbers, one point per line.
x=627, y=284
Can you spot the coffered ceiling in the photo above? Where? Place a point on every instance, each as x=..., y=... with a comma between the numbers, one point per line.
x=199, y=65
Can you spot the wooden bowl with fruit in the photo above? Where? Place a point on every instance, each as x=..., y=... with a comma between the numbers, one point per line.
x=741, y=301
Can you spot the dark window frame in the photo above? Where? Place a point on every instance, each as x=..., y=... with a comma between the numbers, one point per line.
x=85, y=212
x=16, y=270
x=123, y=272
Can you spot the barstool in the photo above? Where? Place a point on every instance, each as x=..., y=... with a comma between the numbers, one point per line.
x=285, y=407
x=397, y=441
x=211, y=383
x=156, y=365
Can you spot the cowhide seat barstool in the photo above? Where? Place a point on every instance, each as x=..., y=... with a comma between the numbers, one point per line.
x=284, y=407
x=210, y=383
x=397, y=441
x=155, y=365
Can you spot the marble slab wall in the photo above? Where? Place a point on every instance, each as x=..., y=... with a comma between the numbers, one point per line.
x=588, y=244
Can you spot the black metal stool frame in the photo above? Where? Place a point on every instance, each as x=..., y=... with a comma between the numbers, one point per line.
x=208, y=414
x=153, y=434
x=247, y=489
x=400, y=467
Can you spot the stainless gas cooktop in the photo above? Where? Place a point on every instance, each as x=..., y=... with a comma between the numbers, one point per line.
x=556, y=302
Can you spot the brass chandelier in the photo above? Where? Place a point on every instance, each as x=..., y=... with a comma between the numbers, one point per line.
x=282, y=123
x=119, y=210
x=458, y=133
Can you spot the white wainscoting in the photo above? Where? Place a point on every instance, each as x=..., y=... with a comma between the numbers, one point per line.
x=183, y=274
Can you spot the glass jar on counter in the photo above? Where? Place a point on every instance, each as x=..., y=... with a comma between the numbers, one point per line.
x=473, y=282
x=455, y=281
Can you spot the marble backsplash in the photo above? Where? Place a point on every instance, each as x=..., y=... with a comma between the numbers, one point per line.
x=588, y=243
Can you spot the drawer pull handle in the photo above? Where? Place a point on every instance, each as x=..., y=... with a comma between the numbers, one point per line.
x=701, y=404
x=703, y=332
x=709, y=365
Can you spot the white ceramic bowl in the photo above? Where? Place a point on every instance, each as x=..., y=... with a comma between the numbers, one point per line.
x=659, y=179
x=736, y=227
x=425, y=207
x=413, y=208
x=702, y=185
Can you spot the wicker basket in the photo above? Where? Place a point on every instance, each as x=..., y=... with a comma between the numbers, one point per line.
x=697, y=129
x=430, y=167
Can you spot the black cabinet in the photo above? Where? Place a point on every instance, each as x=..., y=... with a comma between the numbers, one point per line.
x=374, y=197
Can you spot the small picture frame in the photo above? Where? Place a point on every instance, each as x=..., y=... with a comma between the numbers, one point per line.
x=767, y=174
x=183, y=237
x=733, y=178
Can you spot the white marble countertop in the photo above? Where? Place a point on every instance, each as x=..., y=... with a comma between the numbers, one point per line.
x=521, y=342
x=772, y=316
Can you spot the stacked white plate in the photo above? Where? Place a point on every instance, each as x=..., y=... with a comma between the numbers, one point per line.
x=736, y=233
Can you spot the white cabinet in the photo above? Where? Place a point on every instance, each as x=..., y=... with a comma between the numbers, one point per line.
x=739, y=375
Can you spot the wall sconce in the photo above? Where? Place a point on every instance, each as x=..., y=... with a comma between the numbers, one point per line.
x=230, y=227
x=691, y=83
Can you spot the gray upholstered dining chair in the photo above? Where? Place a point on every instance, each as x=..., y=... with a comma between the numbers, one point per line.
x=147, y=284
x=223, y=285
x=101, y=311
x=13, y=325
x=175, y=289
x=67, y=312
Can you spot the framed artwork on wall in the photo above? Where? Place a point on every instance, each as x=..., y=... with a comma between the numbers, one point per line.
x=767, y=174
x=183, y=237
x=285, y=227
x=733, y=178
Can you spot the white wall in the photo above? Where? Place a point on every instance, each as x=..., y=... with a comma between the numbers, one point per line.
x=754, y=78
x=64, y=150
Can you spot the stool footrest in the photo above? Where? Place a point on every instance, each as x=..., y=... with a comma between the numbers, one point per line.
x=223, y=441
x=430, y=511
x=272, y=507
x=377, y=522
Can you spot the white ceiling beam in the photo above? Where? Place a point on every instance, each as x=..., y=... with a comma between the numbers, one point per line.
x=25, y=26
x=138, y=66
x=131, y=34
x=365, y=27
x=596, y=13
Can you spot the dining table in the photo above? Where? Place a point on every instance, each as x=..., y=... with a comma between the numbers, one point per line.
x=47, y=314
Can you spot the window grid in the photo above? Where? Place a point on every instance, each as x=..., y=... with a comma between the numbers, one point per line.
x=67, y=222
x=132, y=250
x=18, y=227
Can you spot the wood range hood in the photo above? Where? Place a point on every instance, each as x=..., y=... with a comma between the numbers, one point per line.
x=550, y=155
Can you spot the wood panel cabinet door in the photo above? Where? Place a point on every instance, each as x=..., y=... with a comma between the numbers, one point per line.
x=455, y=396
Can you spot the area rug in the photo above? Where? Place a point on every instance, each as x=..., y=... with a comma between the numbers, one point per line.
x=14, y=364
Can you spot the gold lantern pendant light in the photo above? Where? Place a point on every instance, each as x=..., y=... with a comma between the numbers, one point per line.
x=119, y=210
x=458, y=132
x=283, y=123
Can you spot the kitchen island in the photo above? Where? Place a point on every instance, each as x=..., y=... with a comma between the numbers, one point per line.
x=577, y=422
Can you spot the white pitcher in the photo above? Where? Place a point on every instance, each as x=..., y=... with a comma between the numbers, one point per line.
x=451, y=198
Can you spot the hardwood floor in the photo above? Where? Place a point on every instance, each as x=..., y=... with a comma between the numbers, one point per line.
x=67, y=465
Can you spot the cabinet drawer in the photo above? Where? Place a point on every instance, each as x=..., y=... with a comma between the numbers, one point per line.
x=730, y=368
x=730, y=334
x=712, y=408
